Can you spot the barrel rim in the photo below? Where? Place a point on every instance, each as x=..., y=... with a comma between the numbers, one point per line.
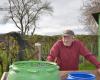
x=52, y=66
x=80, y=72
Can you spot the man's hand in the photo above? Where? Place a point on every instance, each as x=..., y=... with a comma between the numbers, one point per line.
x=98, y=70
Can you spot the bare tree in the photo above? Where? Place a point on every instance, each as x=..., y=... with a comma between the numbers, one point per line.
x=89, y=8
x=26, y=13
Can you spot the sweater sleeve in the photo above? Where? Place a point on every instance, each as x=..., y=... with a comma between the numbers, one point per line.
x=53, y=52
x=88, y=55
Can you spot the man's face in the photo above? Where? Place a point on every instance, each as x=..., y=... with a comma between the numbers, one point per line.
x=67, y=40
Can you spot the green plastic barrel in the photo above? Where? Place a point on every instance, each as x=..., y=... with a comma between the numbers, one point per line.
x=33, y=70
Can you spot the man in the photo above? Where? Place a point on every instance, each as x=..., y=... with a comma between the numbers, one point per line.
x=66, y=52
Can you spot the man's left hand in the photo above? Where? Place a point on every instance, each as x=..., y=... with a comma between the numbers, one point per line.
x=98, y=70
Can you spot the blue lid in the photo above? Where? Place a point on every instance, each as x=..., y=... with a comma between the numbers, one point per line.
x=81, y=76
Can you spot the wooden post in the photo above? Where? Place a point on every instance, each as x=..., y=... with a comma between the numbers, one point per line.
x=38, y=45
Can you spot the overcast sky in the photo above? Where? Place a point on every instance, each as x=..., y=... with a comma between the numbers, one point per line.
x=66, y=15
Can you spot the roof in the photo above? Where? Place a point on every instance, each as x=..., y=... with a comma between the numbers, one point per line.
x=90, y=9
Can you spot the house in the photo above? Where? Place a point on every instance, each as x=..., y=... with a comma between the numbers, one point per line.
x=92, y=17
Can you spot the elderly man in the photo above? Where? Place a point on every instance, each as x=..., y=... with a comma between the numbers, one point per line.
x=66, y=52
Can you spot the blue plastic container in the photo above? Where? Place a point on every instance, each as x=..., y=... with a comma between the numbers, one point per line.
x=80, y=76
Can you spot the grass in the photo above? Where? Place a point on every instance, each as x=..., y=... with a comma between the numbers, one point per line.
x=0, y=72
x=87, y=66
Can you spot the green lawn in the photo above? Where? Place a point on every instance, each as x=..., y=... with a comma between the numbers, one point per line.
x=0, y=72
x=87, y=66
